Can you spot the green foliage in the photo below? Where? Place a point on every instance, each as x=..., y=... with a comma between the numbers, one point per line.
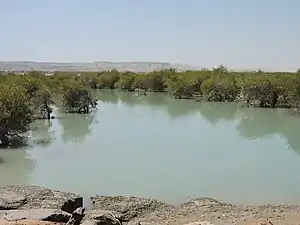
x=24, y=98
x=38, y=94
x=154, y=81
x=218, y=84
x=30, y=84
x=16, y=112
x=77, y=97
x=29, y=96
x=41, y=103
x=108, y=79
x=126, y=81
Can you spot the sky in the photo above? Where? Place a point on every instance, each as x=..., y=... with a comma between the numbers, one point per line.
x=240, y=34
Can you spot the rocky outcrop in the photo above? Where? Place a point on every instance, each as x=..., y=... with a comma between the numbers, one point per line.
x=32, y=197
x=32, y=205
x=50, y=215
x=130, y=207
x=101, y=217
x=11, y=200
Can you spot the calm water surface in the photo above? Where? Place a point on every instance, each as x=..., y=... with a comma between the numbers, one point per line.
x=172, y=150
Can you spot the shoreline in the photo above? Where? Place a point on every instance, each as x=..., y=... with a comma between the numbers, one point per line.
x=253, y=104
x=135, y=210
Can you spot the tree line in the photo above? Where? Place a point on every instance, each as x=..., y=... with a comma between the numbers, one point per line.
x=257, y=88
x=24, y=98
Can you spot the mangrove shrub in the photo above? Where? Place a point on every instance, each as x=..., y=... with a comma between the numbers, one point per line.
x=77, y=97
x=16, y=112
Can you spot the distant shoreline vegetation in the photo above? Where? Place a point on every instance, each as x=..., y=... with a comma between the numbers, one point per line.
x=26, y=97
x=257, y=88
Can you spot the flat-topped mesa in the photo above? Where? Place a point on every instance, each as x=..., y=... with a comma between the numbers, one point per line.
x=19, y=66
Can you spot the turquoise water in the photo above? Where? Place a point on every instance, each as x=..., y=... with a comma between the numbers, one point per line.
x=172, y=150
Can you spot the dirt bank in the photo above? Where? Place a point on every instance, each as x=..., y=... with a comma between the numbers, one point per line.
x=36, y=205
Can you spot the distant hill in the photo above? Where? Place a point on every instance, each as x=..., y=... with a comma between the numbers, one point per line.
x=90, y=66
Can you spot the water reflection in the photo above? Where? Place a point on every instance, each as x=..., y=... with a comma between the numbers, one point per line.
x=76, y=127
x=141, y=140
x=108, y=96
x=261, y=123
x=131, y=99
x=16, y=166
x=41, y=133
x=251, y=123
x=215, y=112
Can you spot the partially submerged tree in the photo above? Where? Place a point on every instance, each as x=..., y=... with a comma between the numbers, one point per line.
x=78, y=98
x=16, y=113
x=126, y=81
x=39, y=95
x=42, y=103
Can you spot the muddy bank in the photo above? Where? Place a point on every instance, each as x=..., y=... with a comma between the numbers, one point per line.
x=36, y=205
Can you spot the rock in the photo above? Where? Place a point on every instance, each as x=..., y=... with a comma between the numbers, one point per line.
x=50, y=215
x=11, y=200
x=32, y=205
x=28, y=222
x=34, y=197
x=72, y=204
x=77, y=216
x=94, y=214
x=258, y=222
x=89, y=222
x=79, y=211
x=200, y=202
x=145, y=223
x=199, y=223
x=130, y=207
x=104, y=218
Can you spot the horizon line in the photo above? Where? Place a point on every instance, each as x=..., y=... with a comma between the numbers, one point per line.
x=196, y=67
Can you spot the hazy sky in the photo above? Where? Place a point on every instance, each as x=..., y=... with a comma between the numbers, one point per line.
x=236, y=33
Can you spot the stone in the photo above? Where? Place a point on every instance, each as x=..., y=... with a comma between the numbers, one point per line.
x=77, y=216
x=34, y=197
x=95, y=213
x=89, y=222
x=11, y=200
x=130, y=207
x=102, y=218
x=50, y=215
x=258, y=222
x=27, y=222
x=199, y=223
x=72, y=204
x=79, y=211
